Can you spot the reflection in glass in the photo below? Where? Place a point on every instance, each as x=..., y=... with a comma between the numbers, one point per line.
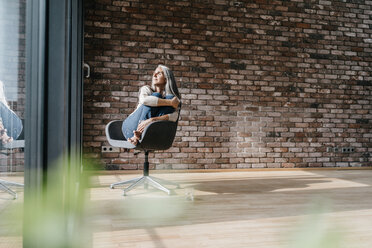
x=12, y=96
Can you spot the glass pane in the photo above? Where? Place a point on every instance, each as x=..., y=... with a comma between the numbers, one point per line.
x=12, y=113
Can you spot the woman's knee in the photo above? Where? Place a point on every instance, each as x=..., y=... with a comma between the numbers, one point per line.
x=169, y=96
x=157, y=94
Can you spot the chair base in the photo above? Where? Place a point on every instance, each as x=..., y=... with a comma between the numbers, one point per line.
x=145, y=180
x=4, y=185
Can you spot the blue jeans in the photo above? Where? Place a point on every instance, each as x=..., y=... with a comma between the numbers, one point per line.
x=11, y=122
x=143, y=113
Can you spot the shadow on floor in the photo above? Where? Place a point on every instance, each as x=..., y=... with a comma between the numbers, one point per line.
x=229, y=200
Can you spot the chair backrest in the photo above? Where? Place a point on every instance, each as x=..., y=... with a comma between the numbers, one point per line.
x=159, y=135
x=22, y=135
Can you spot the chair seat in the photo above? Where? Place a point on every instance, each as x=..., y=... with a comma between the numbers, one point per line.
x=121, y=144
x=159, y=135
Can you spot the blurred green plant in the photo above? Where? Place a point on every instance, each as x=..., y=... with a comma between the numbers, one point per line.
x=56, y=219
x=316, y=230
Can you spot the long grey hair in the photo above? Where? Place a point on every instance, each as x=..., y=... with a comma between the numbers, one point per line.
x=170, y=86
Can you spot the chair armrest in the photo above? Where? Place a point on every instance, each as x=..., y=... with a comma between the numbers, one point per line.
x=115, y=136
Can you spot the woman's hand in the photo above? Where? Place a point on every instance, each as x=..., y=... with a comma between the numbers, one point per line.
x=141, y=127
x=175, y=102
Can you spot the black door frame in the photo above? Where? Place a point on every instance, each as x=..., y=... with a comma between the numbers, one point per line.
x=54, y=85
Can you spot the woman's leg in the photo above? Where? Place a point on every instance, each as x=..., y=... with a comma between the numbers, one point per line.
x=11, y=123
x=142, y=113
x=130, y=124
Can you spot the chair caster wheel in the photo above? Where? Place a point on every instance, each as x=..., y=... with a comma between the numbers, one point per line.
x=112, y=187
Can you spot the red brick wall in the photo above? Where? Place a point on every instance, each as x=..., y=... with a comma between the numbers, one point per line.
x=264, y=83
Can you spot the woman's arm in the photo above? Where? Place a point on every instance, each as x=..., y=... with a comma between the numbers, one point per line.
x=147, y=99
x=169, y=102
x=147, y=122
x=173, y=116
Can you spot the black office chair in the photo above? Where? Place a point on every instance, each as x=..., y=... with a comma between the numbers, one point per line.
x=158, y=135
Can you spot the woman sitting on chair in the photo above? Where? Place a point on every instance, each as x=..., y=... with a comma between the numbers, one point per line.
x=156, y=102
x=10, y=124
